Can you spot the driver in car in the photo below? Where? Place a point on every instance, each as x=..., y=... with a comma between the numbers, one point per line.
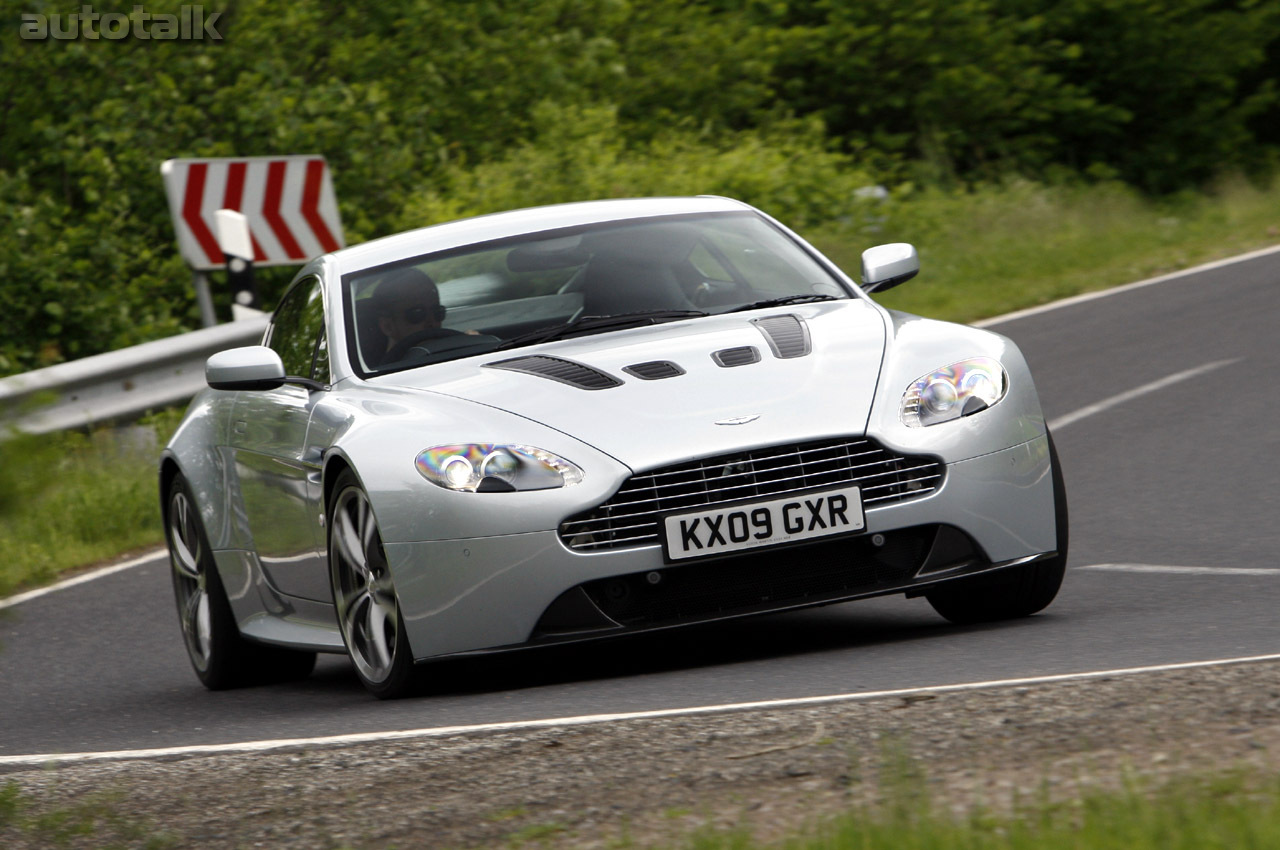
x=408, y=308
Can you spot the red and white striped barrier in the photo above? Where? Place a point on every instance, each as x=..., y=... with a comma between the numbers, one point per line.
x=289, y=201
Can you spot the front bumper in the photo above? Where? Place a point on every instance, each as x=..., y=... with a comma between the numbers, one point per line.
x=477, y=594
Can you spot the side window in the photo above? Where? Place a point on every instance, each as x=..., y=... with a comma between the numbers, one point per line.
x=296, y=328
x=321, y=372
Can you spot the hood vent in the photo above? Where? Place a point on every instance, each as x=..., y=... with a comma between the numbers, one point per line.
x=741, y=356
x=654, y=370
x=558, y=369
x=788, y=336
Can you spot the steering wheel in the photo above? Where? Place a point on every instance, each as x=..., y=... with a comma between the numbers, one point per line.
x=417, y=340
x=712, y=293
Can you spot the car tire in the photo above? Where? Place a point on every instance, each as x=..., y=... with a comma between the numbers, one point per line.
x=364, y=594
x=220, y=656
x=1015, y=592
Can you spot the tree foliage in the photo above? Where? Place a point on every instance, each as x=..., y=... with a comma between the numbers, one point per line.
x=1159, y=93
x=1175, y=78
x=428, y=109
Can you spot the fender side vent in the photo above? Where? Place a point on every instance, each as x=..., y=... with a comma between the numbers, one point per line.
x=741, y=356
x=558, y=369
x=654, y=370
x=788, y=336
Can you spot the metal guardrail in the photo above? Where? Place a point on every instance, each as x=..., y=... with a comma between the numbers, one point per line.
x=120, y=384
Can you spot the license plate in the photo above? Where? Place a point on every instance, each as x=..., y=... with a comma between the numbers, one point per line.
x=750, y=525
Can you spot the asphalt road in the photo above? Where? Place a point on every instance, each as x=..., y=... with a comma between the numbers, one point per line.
x=1174, y=499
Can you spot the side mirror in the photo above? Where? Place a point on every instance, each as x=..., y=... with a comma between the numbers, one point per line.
x=254, y=367
x=886, y=266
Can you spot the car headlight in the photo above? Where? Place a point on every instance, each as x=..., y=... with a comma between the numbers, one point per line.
x=953, y=391
x=495, y=468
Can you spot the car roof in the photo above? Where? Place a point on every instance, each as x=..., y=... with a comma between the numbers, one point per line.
x=469, y=231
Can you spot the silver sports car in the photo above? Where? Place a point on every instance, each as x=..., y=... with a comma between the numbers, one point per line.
x=588, y=420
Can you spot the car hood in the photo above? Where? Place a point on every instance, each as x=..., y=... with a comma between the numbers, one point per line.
x=709, y=409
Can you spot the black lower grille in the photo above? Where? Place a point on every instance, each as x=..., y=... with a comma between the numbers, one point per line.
x=631, y=516
x=761, y=581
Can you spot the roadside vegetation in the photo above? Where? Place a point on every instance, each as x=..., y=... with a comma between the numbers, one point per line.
x=1001, y=248
x=72, y=499
x=1235, y=809
x=101, y=821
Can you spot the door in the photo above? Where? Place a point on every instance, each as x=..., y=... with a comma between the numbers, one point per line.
x=279, y=472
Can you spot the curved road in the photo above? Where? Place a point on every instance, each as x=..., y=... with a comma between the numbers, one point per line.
x=1165, y=403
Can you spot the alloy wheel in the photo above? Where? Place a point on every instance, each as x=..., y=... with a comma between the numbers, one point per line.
x=190, y=581
x=364, y=593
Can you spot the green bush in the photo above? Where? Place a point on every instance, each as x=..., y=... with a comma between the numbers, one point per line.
x=579, y=154
x=1162, y=94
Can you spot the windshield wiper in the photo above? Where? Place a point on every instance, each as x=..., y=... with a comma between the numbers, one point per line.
x=584, y=324
x=780, y=301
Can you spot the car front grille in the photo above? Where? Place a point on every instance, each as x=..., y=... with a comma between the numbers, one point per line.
x=631, y=517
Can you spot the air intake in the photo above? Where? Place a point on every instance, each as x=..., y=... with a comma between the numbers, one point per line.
x=558, y=369
x=633, y=515
x=654, y=370
x=742, y=356
x=788, y=336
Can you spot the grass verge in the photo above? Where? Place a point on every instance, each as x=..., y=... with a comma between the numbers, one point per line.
x=69, y=500
x=101, y=820
x=1002, y=248
x=1237, y=809
x=72, y=499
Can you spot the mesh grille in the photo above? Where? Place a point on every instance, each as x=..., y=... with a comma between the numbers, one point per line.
x=742, y=356
x=631, y=516
x=654, y=370
x=786, y=334
x=559, y=369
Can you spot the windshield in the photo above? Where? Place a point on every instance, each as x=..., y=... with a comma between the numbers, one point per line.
x=518, y=291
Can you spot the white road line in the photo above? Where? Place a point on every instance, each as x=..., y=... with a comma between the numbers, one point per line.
x=1187, y=571
x=80, y=579
x=1116, y=290
x=586, y=720
x=1130, y=395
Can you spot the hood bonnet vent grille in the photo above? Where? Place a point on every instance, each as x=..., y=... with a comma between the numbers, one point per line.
x=788, y=336
x=654, y=370
x=558, y=369
x=741, y=356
